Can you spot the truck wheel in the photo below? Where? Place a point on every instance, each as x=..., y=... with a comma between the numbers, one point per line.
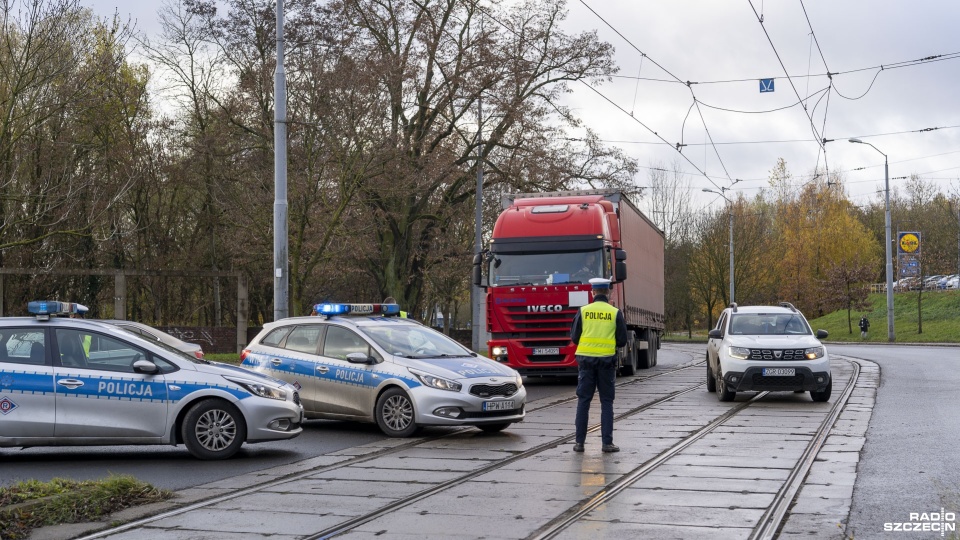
x=394, y=413
x=654, y=348
x=630, y=367
x=213, y=429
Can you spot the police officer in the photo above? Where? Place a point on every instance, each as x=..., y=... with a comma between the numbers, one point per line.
x=598, y=330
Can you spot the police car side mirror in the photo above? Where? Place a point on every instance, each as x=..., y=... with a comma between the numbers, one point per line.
x=822, y=334
x=145, y=366
x=359, y=358
x=715, y=334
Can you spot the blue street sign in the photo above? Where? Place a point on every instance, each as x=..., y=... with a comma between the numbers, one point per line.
x=766, y=85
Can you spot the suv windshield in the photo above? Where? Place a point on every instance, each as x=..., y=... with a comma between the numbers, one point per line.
x=414, y=341
x=769, y=324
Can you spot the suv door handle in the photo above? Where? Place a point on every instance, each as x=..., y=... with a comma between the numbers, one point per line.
x=70, y=383
x=323, y=369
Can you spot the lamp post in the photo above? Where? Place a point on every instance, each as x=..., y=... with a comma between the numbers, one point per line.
x=889, y=257
x=730, y=213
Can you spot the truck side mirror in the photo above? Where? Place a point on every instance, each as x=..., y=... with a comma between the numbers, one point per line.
x=620, y=255
x=477, y=269
x=621, y=271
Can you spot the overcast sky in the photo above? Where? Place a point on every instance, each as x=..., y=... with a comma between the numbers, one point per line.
x=705, y=41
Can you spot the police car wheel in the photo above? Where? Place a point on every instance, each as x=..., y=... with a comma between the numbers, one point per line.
x=394, y=413
x=494, y=428
x=213, y=429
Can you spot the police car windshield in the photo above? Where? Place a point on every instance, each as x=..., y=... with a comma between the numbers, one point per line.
x=414, y=341
x=180, y=354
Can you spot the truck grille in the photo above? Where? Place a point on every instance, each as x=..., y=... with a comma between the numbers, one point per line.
x=777, y=354
x=490, y=390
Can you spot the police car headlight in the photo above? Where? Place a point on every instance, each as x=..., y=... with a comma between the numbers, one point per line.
x=813, y=353
x=260, y=389
x=436, y=382
x=519, y=381
x=741, y=353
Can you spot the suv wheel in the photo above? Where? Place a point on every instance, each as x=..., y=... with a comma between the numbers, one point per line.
x=723, y=393
x=820, y=397
x=711, y=381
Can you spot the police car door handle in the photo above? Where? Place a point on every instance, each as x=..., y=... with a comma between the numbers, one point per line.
x=276, y=361
x=323, y=369
x=70, y=383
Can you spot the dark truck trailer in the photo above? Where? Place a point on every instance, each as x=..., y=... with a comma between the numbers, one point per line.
x=544, y=249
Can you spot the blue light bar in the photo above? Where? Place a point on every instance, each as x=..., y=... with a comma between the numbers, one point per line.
x=357, y=309
x=54, y=307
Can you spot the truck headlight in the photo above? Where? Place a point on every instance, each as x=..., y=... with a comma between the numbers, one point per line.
x=498, y=351
x=813, y=353
x=741, y=353
x=436, y=382
x=260, y=389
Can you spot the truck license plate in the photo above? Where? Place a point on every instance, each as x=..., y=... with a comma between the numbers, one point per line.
x=498, y=405
x=546, y=350
x=779, y=372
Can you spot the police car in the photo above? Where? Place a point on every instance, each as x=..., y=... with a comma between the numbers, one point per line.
x=767, y=348
x=67, y=381
x=363, y=362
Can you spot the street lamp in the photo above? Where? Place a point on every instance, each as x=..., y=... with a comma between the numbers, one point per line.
x=889, y=256
x=730, y=211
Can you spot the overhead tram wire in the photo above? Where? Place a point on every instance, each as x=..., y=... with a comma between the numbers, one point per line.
x=826, y=107
x=813, y=127
x=676, y=146
x=689, y=86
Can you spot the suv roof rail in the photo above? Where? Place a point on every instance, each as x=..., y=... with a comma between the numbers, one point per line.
x=789, y=306
x=733, y=306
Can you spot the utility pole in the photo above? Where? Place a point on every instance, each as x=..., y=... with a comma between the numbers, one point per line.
x=475, y=293
x=281, y=280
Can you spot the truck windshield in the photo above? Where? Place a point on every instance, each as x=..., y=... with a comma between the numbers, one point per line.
x=545, y=268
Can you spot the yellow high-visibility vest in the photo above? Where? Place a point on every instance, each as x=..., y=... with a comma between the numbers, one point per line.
x=599, y=330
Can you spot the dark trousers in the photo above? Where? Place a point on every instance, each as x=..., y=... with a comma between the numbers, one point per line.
x=596, y=374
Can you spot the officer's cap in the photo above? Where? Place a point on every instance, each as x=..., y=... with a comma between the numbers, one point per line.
x=600, y=283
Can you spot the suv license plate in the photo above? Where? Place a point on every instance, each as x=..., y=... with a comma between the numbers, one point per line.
x=546, y=350
x=779, y=372
x=498, y=405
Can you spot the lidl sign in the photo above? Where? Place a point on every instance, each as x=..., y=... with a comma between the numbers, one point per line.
x=908, y=242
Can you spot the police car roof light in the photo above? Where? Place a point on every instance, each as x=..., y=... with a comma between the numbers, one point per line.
x=357, y=309
x=43, y=309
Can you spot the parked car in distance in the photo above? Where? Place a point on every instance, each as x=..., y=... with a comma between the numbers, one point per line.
x=150, y=332
x=945, y=280
x=931, y=282
x=81, y=382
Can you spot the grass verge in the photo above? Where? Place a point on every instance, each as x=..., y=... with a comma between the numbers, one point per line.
x=227, y=358
x=936, y=310
x=31, y=504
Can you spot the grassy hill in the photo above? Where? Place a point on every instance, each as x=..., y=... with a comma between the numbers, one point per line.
x=940, y=310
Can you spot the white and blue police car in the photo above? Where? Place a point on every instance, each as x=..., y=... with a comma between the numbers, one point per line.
x=68, y=381
x=363, y=362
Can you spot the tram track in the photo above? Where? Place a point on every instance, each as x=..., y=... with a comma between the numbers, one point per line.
x=384, y=452
x=765, y=528
x=771, y=519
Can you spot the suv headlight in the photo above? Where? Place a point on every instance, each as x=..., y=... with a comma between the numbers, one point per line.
x=813, y=353
x=741, y=353
x=436, y=382
x=260, y=389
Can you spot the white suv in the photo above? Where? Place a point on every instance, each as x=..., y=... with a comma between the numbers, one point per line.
x=766, y=348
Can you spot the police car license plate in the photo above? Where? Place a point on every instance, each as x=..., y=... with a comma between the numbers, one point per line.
x=779, y=372
x=498, y=405
x=546, y=350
